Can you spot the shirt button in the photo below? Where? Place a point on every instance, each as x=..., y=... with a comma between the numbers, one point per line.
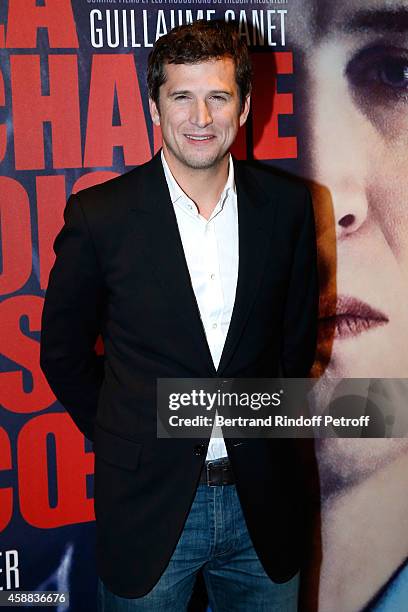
x=212, y=276
x=214, y=326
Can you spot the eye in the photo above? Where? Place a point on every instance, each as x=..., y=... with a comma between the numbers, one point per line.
x=218, y=98
x=381, y=69
x=394, y=72
x=181, y=97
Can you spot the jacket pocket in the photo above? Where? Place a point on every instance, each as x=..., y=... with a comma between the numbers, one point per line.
x=116, y=450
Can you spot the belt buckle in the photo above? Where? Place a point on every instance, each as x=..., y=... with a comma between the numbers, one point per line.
x=220, y=463
x=207, y=467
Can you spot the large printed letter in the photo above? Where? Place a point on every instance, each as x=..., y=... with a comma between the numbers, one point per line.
x=31, y=109
x=15, y=235
x=268, y=104
x=72, y=465
x=25, y=17
x=24, y=389
x=3, y=128
x=6, y=493
x=115, y=75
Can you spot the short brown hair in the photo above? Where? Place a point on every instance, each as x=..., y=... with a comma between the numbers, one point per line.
x=196, y=42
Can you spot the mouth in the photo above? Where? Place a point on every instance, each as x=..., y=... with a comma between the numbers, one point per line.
x=199, y=138
x=347, y=317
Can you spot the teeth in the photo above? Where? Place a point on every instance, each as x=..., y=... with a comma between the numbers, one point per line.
x=199, y=137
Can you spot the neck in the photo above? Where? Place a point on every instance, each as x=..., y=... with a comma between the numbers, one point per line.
x=364, y=539
x=202, y=185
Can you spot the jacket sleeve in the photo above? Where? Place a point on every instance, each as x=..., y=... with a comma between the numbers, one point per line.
x=71, y=320
x=301, y=312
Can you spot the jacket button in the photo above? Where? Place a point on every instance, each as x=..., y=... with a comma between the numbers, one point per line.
x=199, y=449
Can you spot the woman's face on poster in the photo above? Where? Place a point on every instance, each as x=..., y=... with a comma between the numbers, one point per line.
x=351, y=63
x=353, y=104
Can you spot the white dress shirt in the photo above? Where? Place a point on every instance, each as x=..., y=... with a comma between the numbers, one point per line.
x=211, y=251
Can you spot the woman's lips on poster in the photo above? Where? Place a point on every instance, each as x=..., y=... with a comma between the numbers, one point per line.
x=348, y=316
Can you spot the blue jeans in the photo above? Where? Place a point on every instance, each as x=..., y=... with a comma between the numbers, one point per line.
x=215, y=539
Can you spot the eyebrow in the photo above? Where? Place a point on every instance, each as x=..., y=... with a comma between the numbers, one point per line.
x=179, y=92
x=184, y=92
x=379, y=20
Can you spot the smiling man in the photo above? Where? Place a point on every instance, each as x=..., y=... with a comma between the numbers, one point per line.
x=192, y=265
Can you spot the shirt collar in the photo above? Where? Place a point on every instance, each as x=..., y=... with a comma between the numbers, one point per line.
x=178, y=196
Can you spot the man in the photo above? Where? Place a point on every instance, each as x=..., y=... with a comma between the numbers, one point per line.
x=192, y=265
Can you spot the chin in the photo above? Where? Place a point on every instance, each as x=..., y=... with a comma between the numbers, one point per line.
x=201, y=164
x=347, y=462
x=197, y=160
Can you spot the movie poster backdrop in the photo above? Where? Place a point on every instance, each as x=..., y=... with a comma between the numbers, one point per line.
x=329, y=104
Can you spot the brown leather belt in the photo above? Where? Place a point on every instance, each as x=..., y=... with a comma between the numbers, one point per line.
x=217, y=472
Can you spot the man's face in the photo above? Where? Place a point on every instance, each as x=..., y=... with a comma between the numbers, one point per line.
x=353, y=99
x=199, y=112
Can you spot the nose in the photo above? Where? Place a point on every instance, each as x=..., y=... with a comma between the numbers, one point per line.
x=339, y=193
x=338, y=137
x=200, y=114
x=350, y=209
x=342, y=174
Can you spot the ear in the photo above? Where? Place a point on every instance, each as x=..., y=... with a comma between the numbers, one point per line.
x=245, y=110
x=154, y=112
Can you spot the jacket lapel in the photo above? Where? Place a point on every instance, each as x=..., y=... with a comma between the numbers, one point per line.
x=254, y=227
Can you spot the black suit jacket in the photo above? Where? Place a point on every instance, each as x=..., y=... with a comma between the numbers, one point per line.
x=120, y=271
